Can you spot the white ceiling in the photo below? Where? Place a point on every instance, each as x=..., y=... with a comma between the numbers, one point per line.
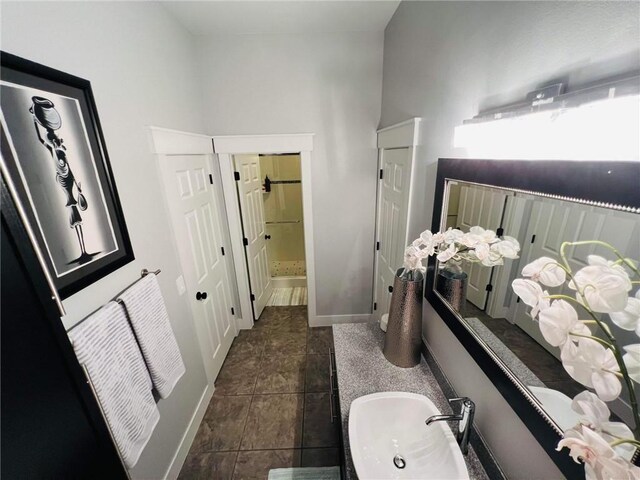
x=238, y=17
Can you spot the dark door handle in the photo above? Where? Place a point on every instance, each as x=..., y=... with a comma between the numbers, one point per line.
x=267, y=237
x=201, y=295
x=390, y=289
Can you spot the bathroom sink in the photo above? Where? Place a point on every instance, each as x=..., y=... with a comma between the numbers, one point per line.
x=389, y=439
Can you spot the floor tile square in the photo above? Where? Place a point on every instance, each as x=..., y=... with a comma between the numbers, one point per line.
x=320, y=339
x=223, y=424
x=317, y=373
x=255, y=465
x=209, y=465
x=281, y=374
x=274, y=422
x=285, y=342
x=238, y=376
x=318, y=429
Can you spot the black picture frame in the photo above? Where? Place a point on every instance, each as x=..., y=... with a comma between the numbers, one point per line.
x=605, y=183
x=55, y=158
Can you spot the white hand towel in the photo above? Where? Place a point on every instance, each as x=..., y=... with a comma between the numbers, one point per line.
x=150, y=321
x=105, y=345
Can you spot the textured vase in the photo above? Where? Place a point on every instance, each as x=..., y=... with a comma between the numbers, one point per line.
x=403, y=339
x=453, y=288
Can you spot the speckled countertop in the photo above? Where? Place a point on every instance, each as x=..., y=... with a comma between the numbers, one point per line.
x=362, y=369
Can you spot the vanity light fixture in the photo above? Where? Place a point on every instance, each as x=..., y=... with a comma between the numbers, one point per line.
x=605, y=129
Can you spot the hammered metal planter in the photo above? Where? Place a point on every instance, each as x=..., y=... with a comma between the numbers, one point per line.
x=403, y=339
x=453, y=288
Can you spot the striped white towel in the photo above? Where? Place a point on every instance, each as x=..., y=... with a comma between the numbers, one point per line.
x=150, y=321
x=105, y=345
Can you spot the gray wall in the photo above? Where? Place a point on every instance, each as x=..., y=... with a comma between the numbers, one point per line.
x=141, y=65
x=327, y=84
x=444, y=61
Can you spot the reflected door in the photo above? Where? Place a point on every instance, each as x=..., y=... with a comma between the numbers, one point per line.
x=392, y=222
x=253, y=223
x=554, y=222
x=199, y=231
x=483, y=207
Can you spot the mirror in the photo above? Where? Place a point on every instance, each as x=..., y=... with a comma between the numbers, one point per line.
x=481, y=298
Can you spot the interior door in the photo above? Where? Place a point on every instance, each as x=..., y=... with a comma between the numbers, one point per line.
x=253, y=224
x=553, y=222
x=392, y=222
x=199, y=233
x=483, y=207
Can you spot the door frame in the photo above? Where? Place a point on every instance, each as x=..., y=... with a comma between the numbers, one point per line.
x=400, y=135
x=228, y=145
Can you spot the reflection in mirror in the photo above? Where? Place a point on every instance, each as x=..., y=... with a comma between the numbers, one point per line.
x=481, y=292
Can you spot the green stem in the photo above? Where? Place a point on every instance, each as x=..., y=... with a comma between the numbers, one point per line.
x=597, y=339
x=624, y=440
x=610, y=337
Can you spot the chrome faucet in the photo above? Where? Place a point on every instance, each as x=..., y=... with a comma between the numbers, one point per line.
x=464, y=419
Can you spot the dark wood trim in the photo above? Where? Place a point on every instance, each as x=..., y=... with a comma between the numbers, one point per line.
x=616, y=183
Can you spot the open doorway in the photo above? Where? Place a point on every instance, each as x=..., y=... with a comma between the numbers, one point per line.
x=270, y=200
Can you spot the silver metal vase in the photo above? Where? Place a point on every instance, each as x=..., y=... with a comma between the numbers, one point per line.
x=403, y=339
x=453, y=287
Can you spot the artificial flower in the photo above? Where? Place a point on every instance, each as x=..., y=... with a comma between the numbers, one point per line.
x=453, y=235
x=531, y=294
x=508, y=247
x=486, y=236
x=629, y=318
x=593, y=366
x=546, y=271
x=603, y=288
x=559, y=321
x=447, y=254
x=470, y=240
x=632, y=361
x=411, y=259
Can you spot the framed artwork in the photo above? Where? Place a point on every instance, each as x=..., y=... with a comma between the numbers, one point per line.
x=54, y=154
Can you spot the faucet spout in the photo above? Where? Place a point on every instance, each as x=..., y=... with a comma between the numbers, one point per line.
x=464, y=419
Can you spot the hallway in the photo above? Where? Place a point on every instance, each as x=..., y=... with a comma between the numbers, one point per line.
x=271, y=407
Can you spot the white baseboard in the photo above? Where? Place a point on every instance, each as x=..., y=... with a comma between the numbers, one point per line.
x=189, y=435
x=328, y=320
x=288, y=282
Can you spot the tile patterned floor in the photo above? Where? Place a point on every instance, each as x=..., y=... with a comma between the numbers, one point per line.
x=271, y=404
x=290, y=296
x=289, y=268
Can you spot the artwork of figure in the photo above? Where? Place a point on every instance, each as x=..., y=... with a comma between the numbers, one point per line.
x=47, y=117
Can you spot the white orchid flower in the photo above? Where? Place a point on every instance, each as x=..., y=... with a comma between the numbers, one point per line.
x=447, y=254
x=559, y=321
x=603, y=262
x=482, y=251
x=470, y=240
x=438, y=238
x=412, y=260
x=487, y=236
x=604, y=288
x=632, y=360
x=531, y=294
x=453, y=235
x=507, y=248
x=629, y=318
x=546, y=271
x=593, y=366
x=595, y=414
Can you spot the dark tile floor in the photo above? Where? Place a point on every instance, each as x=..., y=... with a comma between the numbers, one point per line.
x=271, y=407
x=544, y=365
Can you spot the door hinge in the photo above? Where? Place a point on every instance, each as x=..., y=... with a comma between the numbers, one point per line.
x=381, y=174
x=233, y=312
x=390, y=289
x=252, y=297
x=533, y=238
x=245, y=242
x=377, y=246
x=500, y=232
x=518, y=300
x=222, y=248
x=375, y=306
x=236, y=176
x=489, y=288
x=211, y=179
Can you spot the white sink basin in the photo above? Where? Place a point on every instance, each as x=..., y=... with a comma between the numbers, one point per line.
x=384, y=425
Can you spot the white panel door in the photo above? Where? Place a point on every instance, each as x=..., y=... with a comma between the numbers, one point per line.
x=199, y=232
x=392, y=222
x=253, y=223
x=483, y=207
x=554, y=222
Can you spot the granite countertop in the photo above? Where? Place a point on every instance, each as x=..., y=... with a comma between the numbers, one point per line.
x=363, y=369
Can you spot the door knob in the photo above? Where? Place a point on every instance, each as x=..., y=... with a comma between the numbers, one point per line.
x=267, y=237
x=201, y=295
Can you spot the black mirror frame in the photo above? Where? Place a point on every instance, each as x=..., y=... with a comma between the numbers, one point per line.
x=608, y=184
